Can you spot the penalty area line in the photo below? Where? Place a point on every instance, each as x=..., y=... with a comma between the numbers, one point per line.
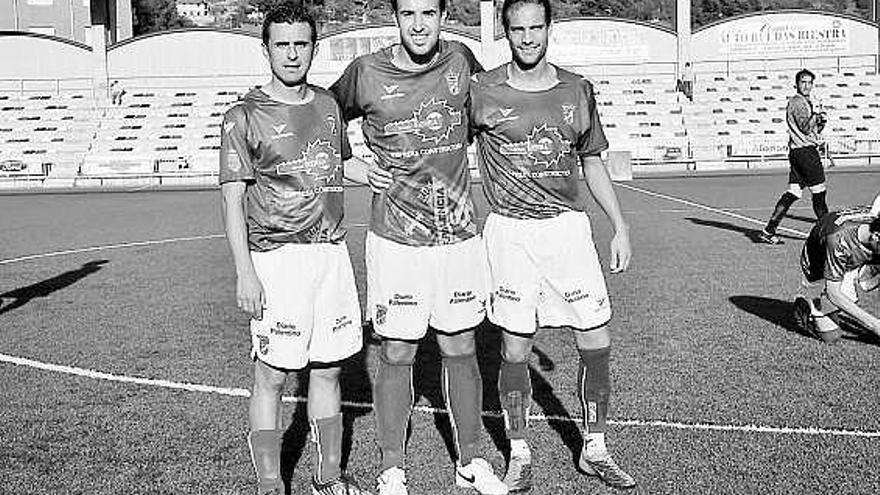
x=708, y=208
x=241, y=392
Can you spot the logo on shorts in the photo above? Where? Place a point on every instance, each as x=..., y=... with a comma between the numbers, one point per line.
x=461, y=297
x=341, y=322
x=264, y=344
x=285, y=329
x=576, y=295
x=381, y=314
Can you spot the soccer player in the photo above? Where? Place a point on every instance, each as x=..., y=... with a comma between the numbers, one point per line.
x=536, y=126
x=843, y=249
x=804, y=126
x=426, y=265
x=281, y=161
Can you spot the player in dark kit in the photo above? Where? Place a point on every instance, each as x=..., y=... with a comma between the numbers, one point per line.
x=426, y=265
x=804, y=126
x=536, y=126
x=842, y=250
x=281, y=165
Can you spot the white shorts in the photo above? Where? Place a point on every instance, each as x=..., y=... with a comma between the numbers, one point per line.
x=412, y=287
x=312, y=312
x=545, y=273
x=863, y=277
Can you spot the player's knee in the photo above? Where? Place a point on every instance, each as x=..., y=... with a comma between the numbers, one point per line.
x=597, y=338
x=795, y=190
x=268, y=379
x=461, y=344
x=818, y=188
x=399, y=353
x=326, y=375
x=515, y=350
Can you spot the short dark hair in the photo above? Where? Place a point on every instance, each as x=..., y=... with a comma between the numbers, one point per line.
x=510, y=4
x=394, y=6
x=289, y=13
x=802, y=74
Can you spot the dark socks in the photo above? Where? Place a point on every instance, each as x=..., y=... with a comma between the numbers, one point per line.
x=327, y=436
x=393, y=398
x=266, y=456
x=594, y=387
x=463, y=392
x=782, y=206
x=819, y=206
x=515, y=393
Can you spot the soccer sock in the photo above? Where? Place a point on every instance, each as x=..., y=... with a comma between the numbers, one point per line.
x=820, y=208
x=327, y=436
x=393, y=397
x=594, y=389
x=463, y=392
x=515, y=393
x=266, y=457
x=782, y=206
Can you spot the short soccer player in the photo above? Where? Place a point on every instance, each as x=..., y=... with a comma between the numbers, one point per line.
x=804, y=126
x=842, y=250
x=536, y=127
x=281, y=165
x=426, y=265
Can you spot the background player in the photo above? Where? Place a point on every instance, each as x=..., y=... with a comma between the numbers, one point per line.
x=843, y=250
x=804, y=126
x=425, y=262
x=281, y=174
x=536, y=126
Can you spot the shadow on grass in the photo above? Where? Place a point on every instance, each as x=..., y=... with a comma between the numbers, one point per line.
x=781, y=314
x=24, y=295
x=356, y=387
x=751, y=234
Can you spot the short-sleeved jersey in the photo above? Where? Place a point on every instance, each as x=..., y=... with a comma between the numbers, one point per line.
x=834, y=240
x=291, y=157
x=529, y=143
x=415, y=123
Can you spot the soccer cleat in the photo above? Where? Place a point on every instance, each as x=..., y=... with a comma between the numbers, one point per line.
x=478, y=476
x=607, y=470
x=392, y=481
x=344, y=485
x=519, y=474
x=768, y=238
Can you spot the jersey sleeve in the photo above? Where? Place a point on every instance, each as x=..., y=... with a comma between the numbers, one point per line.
x=471, y=59
x=235, y=156
x=346, y=91
x=835, y=260
x=345, y=146
x=592, y=140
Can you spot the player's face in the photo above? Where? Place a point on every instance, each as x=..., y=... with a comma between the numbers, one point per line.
x=419, y=23
x=805, y=86
x=527, y=34
x=290, y=51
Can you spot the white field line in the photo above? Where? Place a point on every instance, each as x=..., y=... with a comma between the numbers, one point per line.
x=728, y=213
x=240, y=392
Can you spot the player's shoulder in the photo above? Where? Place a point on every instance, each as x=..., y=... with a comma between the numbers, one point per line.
x=322, y=95
x=567, y=77
x=247, y=103
x=455, y=46
x=492, y=77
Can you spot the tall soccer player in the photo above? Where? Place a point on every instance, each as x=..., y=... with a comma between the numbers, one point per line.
x=536, y=127
x=281, y=162
x=804, y=126
x=426, y=265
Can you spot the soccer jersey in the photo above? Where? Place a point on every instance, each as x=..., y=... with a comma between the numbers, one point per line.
x=415, y=122
x=803, y=128
x=291, y=156
x=833, y=247
x=529, y=142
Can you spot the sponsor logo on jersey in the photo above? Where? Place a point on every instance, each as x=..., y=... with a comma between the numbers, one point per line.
x=391, y=92
x=506, y=115
x=279, y=131
x=568, y=113
x=544, y=146
x=330, y=124
x=433, y=121
x=233, y=161
x=319, y=160
x=452, y=82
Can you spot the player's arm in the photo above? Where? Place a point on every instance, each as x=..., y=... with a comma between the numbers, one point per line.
x=360, y=171
x=837, y=297
x=599, y=182
x=248, y=291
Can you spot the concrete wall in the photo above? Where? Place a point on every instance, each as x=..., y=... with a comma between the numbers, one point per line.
x=43, y=57
x=69, y=18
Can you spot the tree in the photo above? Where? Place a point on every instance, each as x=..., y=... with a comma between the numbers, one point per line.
x=156, y=15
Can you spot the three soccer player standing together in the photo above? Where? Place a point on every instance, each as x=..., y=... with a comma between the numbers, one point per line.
x=421, y=102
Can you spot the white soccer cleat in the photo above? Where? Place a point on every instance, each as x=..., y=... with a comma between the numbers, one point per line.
x=392, y=481
x=478, y=476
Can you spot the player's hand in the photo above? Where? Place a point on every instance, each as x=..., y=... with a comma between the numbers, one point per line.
x=250, y=295
x=379, y=178
x=621, y=252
